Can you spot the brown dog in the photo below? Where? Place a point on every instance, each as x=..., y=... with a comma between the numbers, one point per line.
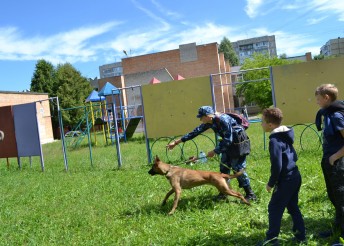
x=182, y=178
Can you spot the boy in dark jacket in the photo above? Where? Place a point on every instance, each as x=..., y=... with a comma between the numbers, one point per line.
x=331, y=118
x=285, y=178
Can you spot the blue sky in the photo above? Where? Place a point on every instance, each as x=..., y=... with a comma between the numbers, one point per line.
x=88, y=34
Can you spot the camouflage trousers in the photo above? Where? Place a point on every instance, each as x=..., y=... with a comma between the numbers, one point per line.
x=236, y=164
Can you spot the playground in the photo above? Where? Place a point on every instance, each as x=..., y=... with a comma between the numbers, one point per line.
x=94, y=202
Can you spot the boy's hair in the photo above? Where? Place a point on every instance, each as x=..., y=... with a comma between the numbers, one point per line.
x=273, y=115
x=327, y=89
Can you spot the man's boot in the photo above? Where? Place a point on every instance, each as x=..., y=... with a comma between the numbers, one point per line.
x=250, y=196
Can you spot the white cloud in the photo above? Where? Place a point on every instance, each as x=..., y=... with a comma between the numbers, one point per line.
x=207, y=33
x=314, y=21
x=165, y=11
x=327, y=6
x=252, y=7
x=71, y=46
x=295, y=44
x=156, y=40
x=259, y=7
x=166, y=26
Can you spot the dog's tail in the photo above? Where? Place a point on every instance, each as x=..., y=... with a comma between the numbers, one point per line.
x=225, y=176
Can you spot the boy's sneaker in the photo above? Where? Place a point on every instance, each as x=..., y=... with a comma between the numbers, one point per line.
x=299, y=238
x=340, y=242
x=268, y=242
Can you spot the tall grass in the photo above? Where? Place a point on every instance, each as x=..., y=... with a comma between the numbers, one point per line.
x=104, y=205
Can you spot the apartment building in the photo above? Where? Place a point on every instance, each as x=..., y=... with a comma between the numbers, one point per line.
x=247, y=47
x=333, y=47
x=110, y=70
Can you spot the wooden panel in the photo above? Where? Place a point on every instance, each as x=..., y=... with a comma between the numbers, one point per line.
x=26, y=128
x=295, y=86
x=8, y=147
x=171, y=107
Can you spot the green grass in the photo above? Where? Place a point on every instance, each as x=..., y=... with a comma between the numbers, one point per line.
x=104, y=205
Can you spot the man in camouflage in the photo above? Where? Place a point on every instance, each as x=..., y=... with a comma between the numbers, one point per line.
x=222, y=125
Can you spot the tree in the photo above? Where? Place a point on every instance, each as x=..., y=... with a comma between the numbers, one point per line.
x=319, y=57
x=283, y=56
x=72, y=89
x=228, y=51
x=65, y=82
x=259, y=92
x=43, y=78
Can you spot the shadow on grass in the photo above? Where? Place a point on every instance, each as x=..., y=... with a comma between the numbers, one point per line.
x=199, y=202
x=220, y=239
x=313, y=227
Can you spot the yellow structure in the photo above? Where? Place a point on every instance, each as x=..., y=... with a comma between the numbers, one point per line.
x=295, y=85
x=171, y=107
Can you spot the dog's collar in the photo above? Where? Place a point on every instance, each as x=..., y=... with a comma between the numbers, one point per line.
x=169, y=170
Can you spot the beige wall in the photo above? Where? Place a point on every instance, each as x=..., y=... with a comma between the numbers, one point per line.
x=43, y=110
x=295, y=85
x=171, y=107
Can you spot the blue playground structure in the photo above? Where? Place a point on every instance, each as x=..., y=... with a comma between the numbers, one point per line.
x=118, y=119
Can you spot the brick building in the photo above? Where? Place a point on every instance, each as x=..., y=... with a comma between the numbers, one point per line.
x=8, y=98
x=188, y=61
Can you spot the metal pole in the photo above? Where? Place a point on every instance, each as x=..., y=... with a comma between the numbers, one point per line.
x=118, y=148
x=214, y=104
x=212, y=91
x=149, y=155
x=122, y=115
x=62, y=134
x=272, y=87
x=88, y=136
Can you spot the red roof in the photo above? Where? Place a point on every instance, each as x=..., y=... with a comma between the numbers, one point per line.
x=154, y=81
x=179, y=77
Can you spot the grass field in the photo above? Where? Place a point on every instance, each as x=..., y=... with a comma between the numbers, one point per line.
x=104, y=205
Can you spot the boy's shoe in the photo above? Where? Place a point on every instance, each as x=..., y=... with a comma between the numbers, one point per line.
x=268, y=242
x=299, y=238
x=340, y=242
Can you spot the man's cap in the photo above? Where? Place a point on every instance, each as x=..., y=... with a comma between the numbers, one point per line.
x=205, y=110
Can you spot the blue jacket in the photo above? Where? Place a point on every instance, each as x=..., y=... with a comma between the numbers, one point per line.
x=222, y=125
x=333, y=122
x=283, y=156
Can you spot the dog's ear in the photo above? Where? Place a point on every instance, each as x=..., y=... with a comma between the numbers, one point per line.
x=157, y=158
